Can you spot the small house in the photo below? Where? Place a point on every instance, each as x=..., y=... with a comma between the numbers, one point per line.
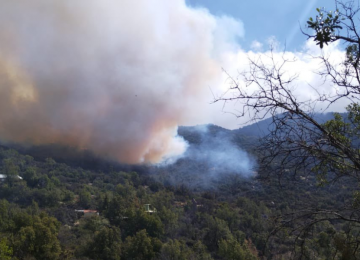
x=4, y=176
x=148, y=209
x=87, y=212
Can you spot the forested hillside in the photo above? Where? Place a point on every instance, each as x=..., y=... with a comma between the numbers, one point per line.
x=197, y=210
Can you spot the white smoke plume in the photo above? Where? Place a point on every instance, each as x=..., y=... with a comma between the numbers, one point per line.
x=113, y=76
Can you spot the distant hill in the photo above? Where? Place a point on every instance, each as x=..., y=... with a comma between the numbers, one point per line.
x=245, y=136
x=73, y=157
x=194, y=134
x=262, y=127
x=208, y=137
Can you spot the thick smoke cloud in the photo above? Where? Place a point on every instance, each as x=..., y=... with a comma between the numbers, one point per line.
x=118, y=76
x=113, y=76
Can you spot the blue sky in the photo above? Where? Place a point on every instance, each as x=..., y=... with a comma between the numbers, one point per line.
x=263, y=18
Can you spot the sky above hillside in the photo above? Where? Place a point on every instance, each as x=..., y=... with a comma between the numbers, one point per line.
x=263, y=19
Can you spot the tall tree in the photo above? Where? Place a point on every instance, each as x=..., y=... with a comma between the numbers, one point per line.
x=6, y=252
x=141, y=246
x=106, y=244
x=11, y=170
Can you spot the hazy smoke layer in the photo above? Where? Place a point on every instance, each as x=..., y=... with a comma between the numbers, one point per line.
x=112, y=76
x=213, y=156
x=217, y=149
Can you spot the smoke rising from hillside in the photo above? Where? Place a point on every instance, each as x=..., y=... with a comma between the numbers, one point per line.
x=114, y=77
x=220, y=152
x=215, y=155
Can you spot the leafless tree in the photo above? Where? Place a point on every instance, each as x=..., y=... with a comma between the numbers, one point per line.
x=297, y=143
